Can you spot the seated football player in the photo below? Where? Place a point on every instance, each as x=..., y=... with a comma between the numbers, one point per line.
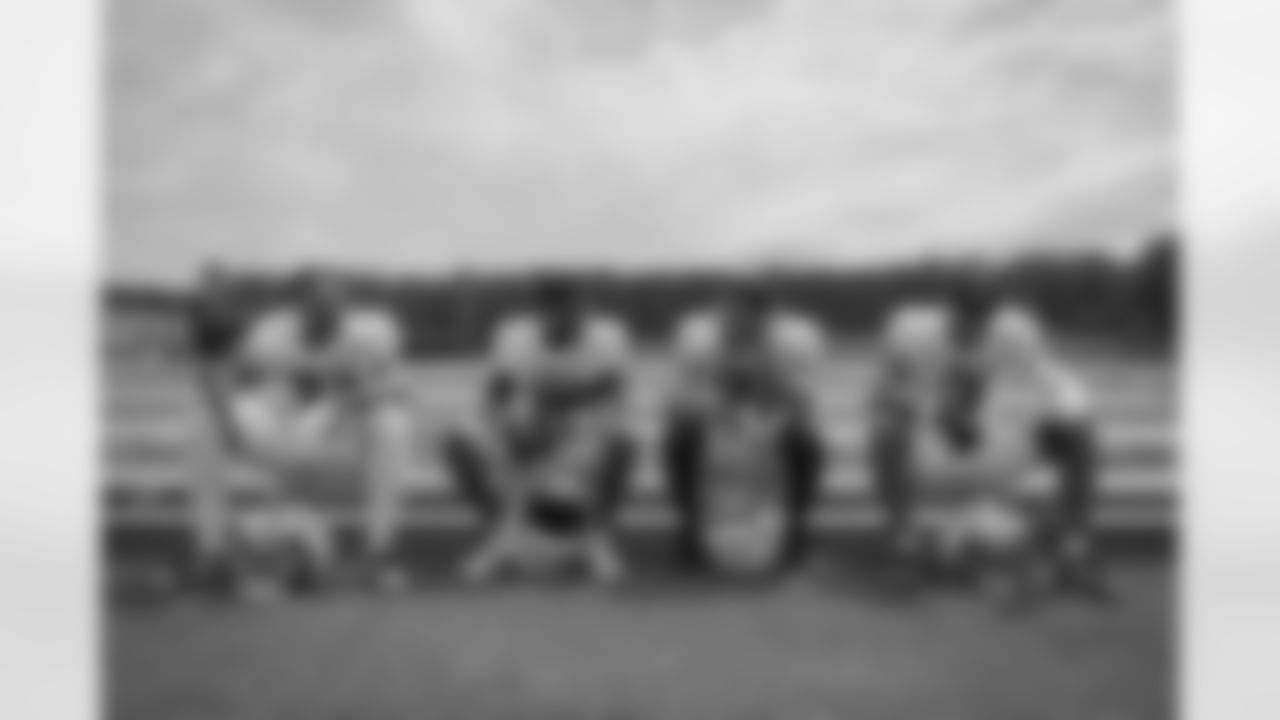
x=215, y=321
x=308, y=410
x=547, y=465
x=743, y=460
x=981, y=439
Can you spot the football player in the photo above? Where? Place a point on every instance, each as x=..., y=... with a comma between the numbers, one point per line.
x=215, y=321
x=548, y=464
x=982, y=439
x=308, y=406
x=741, y=385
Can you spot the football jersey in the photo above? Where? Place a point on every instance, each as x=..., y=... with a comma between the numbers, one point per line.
x=743, y=486
x=1010, y=369
x=712, y=360
x=560, y=377
x=364, y=350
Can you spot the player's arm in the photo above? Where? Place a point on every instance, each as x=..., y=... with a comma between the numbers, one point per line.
x=1034, y=357
x=804, y=346
x=212, y=343
x=611, y=351
x=890, y=369
x=512, y=353
x=692, y=366
x=380, y=368
x=263, y=352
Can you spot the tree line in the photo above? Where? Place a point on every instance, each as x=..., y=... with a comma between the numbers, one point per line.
x=1097, y=298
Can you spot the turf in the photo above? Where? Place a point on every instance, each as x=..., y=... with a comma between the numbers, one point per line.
x=818, y=650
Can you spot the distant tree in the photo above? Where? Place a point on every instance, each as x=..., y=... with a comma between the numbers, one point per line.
x=1090, y=296
x=1158, y=288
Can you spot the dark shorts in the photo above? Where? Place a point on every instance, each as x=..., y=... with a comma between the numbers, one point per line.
x=558, y=517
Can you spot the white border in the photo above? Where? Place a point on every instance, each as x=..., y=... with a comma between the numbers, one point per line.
x=48, y=230
x=1232, y=170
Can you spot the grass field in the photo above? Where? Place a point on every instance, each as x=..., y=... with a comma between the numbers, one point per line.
x=793, y=653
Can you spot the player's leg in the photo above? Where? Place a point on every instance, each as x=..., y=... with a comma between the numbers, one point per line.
x=1068, y=448
x=212, y=510
x=291, y=446
x=804, y=464
x=683, y=451
x=314, y=539
x=1004, y=519
x=389, y=464
x=614, y=475
x=260, y=567
x=536, y=529
x=892, y=484
x=467, y=458
x=913, y=523
x=281, y=547
x=227, y=473
x=576, y=492
x=485, y=474
x=499, y=551
x=941, y=488
x=1009, y=561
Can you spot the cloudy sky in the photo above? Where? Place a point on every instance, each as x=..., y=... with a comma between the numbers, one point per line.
x=429, y=135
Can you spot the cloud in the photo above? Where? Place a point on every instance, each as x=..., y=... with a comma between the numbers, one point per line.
x=438, y=133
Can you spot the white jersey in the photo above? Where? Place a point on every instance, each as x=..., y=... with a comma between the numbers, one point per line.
x=1014, y=358
x=367, y=347
x=522, y=352
x=791, y=343
x=561, y=379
